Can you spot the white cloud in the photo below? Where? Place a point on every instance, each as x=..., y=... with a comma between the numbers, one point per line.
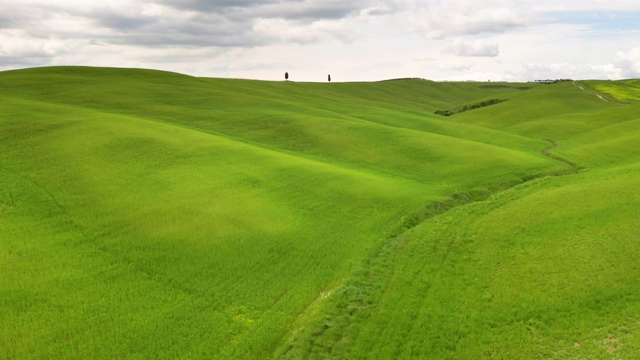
x=288, y=31
x=589, y=5
x=442, y=19
x=567, y=70
x=478, y=48
x=456, y=66
x=629, y=63
x=355, y=40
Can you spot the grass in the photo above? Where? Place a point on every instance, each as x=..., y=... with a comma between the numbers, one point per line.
x=543, y=270
x=189, y=219
x=625, y=91
x=457, y=286
x=146, y=214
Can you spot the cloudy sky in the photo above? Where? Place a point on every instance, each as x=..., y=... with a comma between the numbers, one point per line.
x=353, y=40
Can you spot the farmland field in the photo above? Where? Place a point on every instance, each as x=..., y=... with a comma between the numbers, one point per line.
x=146, y=214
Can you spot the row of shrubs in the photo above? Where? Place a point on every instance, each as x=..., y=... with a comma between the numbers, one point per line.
x=469, y=107
x=550, y=81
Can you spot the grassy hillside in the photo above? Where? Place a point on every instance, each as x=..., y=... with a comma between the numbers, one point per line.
x=146, y=214
x=547, y=269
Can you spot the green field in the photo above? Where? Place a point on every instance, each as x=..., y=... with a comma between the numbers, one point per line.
x=147, y=215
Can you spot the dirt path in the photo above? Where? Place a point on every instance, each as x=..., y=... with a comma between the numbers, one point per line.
x=589, y=91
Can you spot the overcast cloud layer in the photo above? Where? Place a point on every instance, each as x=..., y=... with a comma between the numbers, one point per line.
x=352, y=40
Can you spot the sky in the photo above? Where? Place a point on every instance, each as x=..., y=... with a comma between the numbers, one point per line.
x=353, y=40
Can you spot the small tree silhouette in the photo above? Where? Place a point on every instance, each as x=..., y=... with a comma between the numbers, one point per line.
x=329, y=78
x=286, y=76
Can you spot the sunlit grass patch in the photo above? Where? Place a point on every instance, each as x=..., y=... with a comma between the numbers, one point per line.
x=626, y=91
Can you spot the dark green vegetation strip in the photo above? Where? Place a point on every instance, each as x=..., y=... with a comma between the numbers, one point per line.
x=146, y=214
x=468, y=107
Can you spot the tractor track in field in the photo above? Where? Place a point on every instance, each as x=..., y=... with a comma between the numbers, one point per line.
x=592, y=92
x=358, y=290
x=547, y=153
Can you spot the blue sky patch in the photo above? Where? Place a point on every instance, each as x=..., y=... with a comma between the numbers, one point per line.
x=597, y=21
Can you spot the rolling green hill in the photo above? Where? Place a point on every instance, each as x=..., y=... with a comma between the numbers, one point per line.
x=146, y=214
